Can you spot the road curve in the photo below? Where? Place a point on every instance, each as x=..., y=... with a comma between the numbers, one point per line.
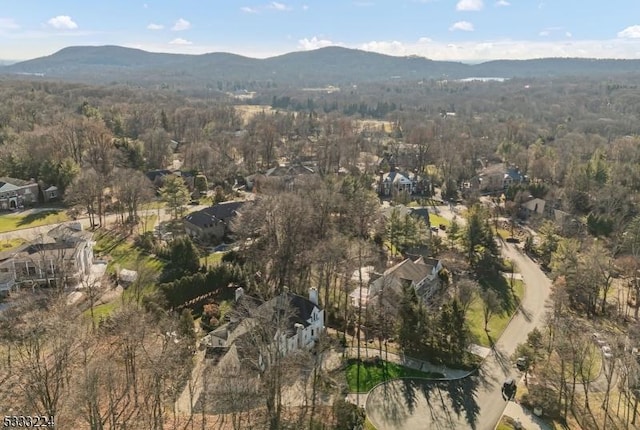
x=477, y=402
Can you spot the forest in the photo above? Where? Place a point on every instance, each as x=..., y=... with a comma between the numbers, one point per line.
x=576, y=141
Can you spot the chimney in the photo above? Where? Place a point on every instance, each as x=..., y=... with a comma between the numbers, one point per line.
x=239, y=293
x=313, y=295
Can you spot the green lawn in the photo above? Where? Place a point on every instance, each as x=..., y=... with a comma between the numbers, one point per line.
x=212, y=259
x=506, y=423
x=371, y=374
x=435, y=220
x=497, y=323
x=158, y=204
x=147, y=223
x=8, y=244
x=10, y=222
x=120, y=252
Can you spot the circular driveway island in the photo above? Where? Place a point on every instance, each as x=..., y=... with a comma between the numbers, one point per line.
x=420, y=404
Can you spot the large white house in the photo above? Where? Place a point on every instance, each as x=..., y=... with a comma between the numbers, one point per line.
x=304, y=326
x=65, y=255
x=421, y=274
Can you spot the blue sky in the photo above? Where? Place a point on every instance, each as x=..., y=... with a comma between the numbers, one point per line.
x=465, y=30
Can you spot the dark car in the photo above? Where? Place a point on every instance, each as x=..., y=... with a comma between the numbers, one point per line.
x=521, y=364
x=442, y=227
x=509, y=389
x=513, y=240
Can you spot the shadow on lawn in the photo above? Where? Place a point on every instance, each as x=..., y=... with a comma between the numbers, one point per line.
x=34, y=216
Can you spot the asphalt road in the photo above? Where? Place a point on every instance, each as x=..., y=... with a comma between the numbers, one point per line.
x=475, y=402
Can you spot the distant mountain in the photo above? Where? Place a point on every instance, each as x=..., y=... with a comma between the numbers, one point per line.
x=325, y=66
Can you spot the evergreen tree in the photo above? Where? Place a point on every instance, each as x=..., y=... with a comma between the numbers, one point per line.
x=175, y=194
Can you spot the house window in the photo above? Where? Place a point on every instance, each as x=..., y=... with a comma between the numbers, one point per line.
x=311, y=332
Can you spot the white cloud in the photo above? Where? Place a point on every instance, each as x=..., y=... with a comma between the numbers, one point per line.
x=247, y=9
x=462, y=26
x=278, y=6
x=632, y=32
x=153, y=26
x=180, y=41
x=62, y=22
x=181, y=25
x=305, y=7
x=146, y=6
x=315, y=43
x=503, y=3
x=8, y=24
x=568, y=34
x=466, y=5
x=544, y=33
x=505, y=49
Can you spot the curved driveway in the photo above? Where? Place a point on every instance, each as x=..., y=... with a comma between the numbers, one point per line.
x=474, y=402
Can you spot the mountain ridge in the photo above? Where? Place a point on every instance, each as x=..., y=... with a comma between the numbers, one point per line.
x=323, y=66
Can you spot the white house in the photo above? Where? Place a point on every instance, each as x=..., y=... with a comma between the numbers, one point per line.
x=421, y=274
x=64, y=254
x=305, y=325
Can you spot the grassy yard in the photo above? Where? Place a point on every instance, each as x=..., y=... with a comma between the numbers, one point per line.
x=9, y=244
x=436, y=220
x=121, y=253
x=506, y=423
x=157, y=204
x=372, y=373
x=10, y=222
x=212, y=259
x=497, y=323
x=147, y=223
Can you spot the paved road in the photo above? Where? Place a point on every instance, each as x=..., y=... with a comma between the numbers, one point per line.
x=475, y=402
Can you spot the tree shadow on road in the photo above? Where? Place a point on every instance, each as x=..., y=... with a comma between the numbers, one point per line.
x=462, y=395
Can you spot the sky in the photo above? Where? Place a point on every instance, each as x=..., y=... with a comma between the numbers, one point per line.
x=459, y=30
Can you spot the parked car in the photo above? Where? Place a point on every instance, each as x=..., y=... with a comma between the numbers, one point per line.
x=442, y=227
x=509, y=389
x=513, y=240
x=521, y=363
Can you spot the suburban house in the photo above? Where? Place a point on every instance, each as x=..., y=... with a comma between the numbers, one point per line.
x=533, y=206
x=421, y=274
x=50, y=193
x=304, y=326
x=15, y=193
x=497, y=177
x=65, y=254
x=284, y=175
x=402, y=210
x=395, y=182
x=213, y=223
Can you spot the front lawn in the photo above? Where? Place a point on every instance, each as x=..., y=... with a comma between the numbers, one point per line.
x=9, y=244
x=120, y=252
x=212, y=259
x=374, y=372
x=497, y=323
x=11, y=222
x=435, y=220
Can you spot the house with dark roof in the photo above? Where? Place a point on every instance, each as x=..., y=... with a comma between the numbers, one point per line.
x=421, y=213
x=304, y=326
x=213, y=223
x=421, y=274
x=395, y=182
x=64, y=254
x=15, y=193
x=281, y=176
